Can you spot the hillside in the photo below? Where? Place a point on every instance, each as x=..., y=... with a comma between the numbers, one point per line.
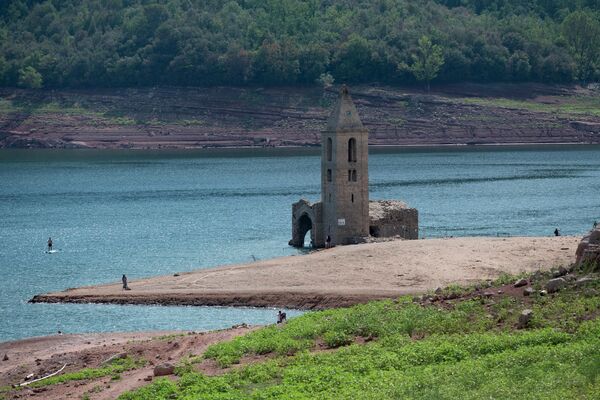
x=170, y=117
x=143, y=43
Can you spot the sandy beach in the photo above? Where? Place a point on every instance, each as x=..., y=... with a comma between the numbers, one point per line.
x=339, y=276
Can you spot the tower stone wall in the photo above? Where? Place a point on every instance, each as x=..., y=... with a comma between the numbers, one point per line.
x=343, y=212
x=345, y=174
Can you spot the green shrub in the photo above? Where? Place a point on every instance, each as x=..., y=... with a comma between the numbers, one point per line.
x=418, y=352
x=114, y=369
x=335, y=339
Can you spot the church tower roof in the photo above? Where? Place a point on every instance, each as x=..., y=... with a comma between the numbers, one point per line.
x=344, y=116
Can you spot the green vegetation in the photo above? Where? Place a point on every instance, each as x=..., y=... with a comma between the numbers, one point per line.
x=582, y=31
x=30, y=78
x=9, y=106
x=171, y=336
x=575, y=105
x=114, y=369
x=427, y=61
x=35, y=107
x=108, y=43
x=466, y=348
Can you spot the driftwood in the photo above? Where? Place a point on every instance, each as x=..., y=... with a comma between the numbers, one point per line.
x=117, y=356
x=42, y=378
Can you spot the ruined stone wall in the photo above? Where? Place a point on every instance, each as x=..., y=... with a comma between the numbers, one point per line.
x=390, y=218
x=302, y=212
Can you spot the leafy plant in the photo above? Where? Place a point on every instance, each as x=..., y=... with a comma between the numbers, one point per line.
x=413, y=351
x=114, y=368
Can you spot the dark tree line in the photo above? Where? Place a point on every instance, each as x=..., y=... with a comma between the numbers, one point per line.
x=89, y=43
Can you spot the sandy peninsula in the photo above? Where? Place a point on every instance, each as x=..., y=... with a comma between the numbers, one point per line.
x=339, y=276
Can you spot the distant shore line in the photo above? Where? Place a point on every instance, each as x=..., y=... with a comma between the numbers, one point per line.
x=315, y=149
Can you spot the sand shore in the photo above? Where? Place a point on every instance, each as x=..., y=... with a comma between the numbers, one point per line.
x=340, y=276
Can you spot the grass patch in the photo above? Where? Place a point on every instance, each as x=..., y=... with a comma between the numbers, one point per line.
x=546, y=363
x=468, y=349
x=42, y=108
x=109, y=117
x=507, y=279
x=6, y=106
x=192, y=122
x=170, y=336
x=114, y=369
x=588, y=105
x=398, y=122
x=372, y=320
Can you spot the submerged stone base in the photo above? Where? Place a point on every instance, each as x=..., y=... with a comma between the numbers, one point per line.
x=387, y=219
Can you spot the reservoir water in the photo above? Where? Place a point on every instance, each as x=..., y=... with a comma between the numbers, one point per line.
x=145, y=213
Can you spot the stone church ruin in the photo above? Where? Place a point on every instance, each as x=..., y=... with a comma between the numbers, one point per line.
x=345, y=215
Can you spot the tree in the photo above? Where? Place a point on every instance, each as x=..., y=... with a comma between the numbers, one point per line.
x=3, y=68
x=427, y=61
x=353, y=62
x=325, y=79
x=582, y=32
x=30, y=78
x=518, y=66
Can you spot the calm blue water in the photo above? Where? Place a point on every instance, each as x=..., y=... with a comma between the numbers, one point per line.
x=152, y=213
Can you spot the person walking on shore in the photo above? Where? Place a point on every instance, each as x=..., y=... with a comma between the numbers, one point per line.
x=556, y=232
x=124, y=280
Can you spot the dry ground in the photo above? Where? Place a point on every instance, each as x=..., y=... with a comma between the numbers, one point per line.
x=340, y=276
x=44, y=355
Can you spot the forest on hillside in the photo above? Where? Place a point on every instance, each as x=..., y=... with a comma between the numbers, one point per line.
x=127, y=43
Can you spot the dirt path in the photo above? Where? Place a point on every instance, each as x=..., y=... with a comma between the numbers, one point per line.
x=340, y=276
x=44, y=355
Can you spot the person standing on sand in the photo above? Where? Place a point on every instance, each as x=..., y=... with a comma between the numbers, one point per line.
x=49, y=244
x=556, y=232
x=124, y=280
x=328, y=242
x=595, y=224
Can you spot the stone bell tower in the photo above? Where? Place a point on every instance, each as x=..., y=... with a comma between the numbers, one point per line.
x=345, y=174
x=344, y=212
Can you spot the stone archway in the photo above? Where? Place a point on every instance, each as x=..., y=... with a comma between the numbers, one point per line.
x=303, y=220
x=304, y=225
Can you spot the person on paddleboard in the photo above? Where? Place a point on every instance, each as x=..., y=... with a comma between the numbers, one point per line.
x=49, y=244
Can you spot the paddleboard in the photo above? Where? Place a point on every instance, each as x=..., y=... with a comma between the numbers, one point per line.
x=51, y=251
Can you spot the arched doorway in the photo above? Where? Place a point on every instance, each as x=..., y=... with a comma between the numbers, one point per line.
x=304, y=225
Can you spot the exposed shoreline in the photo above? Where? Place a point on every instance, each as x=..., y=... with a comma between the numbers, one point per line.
x=338, y=277
x=46, y=354
x=376, y=148
x=244, y=117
